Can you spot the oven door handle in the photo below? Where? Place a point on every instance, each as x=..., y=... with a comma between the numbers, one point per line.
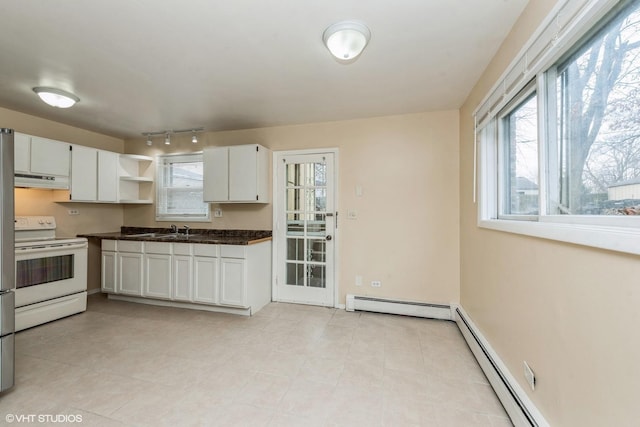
x=25, y=251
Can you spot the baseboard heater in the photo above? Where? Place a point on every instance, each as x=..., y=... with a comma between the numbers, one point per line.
x=406, y=308
x=521, y=410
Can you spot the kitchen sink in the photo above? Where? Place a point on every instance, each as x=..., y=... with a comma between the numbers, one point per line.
x=171, y=236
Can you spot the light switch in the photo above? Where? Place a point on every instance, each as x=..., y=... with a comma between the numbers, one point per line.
x=352, y=214
x=359, y=190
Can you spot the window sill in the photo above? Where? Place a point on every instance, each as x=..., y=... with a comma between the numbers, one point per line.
x=619, y=239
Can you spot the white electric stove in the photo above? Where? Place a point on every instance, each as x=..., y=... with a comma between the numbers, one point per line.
x=51, y=272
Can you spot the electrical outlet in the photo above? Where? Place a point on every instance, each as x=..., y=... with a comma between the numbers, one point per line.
x=376, y=283
x=530, y=376
x=358, y=280
x=217, y=213
x=73, y=212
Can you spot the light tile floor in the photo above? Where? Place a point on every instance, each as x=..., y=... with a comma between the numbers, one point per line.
x=289, y=365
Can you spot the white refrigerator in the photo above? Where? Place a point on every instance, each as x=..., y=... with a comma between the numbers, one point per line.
x=7, y=261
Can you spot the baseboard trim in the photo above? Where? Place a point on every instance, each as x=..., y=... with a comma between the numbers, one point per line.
x=519, y=407
x=401, y=307
x=164, y=303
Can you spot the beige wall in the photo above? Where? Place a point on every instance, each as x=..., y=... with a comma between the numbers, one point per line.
x=569, y=311
x=93, y=218
x=406, y=233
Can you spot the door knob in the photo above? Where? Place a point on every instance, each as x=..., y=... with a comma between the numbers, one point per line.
x=329, y=237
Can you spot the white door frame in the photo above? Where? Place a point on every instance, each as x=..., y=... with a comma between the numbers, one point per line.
x=277, y=157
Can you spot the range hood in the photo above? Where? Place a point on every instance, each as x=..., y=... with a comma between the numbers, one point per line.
x=30, y=180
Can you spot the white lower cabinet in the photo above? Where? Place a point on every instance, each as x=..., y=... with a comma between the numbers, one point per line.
x=157, y=270
x=205, y=283
x=182, y=274
x=108, y=271
x=213, y=275
x=129, y=278
x=206, y=273
x=233, y=283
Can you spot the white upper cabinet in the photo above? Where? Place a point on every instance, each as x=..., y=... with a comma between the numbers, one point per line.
x=94, y=175
x=84, y=177
x=49, y=157
x=236, y=174
x=107, y=176
x=40, y=162
x=22, y=153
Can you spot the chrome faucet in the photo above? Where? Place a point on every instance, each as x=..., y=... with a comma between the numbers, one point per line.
x=186, y=230
x=174, y=229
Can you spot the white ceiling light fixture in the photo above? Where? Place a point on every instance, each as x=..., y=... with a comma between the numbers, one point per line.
x=346, y=39
x=56, y=97
x=194, y=138
x=167, y=139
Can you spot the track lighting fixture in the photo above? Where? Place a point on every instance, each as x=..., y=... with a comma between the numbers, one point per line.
x=167, y=135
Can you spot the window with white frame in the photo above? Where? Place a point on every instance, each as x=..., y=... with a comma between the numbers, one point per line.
x=562, y=146
x=179, y=188
x=518, y=157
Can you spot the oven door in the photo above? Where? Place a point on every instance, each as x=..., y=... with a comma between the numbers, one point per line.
x=47, y=272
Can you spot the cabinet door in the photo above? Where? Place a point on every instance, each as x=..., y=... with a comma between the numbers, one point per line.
x=21, y=152
x=216, y=174
x=107, y=176
x=49, y=157
x=84, y=177
x=130, y=271
x=243, y=173
x=182, y=277
x=108, y=272
x=233, y=286
x=205, y=279
x=157, y=275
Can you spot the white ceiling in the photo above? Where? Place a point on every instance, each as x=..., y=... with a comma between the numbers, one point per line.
x=150, y=65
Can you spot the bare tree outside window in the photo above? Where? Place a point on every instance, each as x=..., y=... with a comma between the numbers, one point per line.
x=599, y=122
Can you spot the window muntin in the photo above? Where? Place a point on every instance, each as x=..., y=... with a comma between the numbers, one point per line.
x=518, y=173
x=179, y=188
x=597, y=154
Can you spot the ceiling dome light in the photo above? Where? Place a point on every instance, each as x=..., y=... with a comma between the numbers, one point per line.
x=167, y=139
x=346, y=39
x=56, y=97
x=194, y=139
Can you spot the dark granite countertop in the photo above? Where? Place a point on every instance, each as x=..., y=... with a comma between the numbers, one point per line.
x=196, y=235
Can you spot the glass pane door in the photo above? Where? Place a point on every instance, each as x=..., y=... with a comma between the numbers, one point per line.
x=306, y=211
x=306, y=225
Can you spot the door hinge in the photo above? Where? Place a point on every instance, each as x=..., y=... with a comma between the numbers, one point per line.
x=257, y=148
x=70, y=196
x=71, y=148
x=257, y=197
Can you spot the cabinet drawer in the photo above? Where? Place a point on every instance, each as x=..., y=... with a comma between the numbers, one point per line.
x=157, y=248
x=233, y=251
x=108, y=245
x=129, y=246
x=182, y=249
x=206, y=250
